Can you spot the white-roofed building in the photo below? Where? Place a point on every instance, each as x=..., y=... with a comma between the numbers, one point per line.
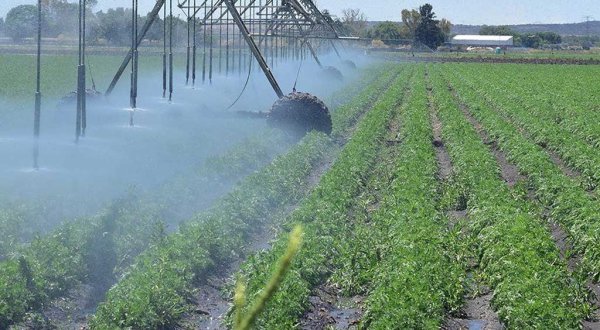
x=482, y=41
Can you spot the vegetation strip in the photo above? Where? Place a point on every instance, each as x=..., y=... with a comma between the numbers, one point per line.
x=324, y=219
x=516, y=254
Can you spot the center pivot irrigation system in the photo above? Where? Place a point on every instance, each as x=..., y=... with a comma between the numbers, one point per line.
x=233, y=34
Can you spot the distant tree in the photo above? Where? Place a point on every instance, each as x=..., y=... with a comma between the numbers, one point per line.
x=115, y=25
x=387, y=32
x=21, y=22
x=531, y=41
x=550, y=38
x=500, y=30
x=410, y=22
x=446, y=27
x=1, y=25
x=428, y=31
x=61, y=17
x=355, y=20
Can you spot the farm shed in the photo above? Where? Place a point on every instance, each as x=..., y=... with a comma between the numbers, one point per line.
x=482, y=41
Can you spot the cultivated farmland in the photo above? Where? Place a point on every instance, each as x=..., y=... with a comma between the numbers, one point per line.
x=449, y=195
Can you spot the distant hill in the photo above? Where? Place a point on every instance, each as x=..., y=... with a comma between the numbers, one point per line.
x=573, y=29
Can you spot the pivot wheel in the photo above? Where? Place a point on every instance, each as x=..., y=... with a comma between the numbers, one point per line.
x=349, y=64
x=300, y=113
x=333, y=73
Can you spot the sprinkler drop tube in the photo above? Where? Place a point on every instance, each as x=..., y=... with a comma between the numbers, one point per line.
x=210, y=64
x=194, y=48
x=204, y=46
x=38, y=93
x=171, y=51
x=164, y=51
x=80, y=76
x=189, y=48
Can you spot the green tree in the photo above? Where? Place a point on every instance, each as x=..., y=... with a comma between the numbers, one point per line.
x=388, y=32
x=115, y=25
x=410, y=21
x=355, y=21
x=446, y=27
x=21, y=22
x=428, y=31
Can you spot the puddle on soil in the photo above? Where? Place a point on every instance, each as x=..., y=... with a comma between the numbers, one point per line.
x=476, y=324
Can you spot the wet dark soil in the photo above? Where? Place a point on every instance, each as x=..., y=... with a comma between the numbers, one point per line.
x=329, y=310
x=476, y=314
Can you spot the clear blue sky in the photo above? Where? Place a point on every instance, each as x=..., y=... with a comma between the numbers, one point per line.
x=458, y=11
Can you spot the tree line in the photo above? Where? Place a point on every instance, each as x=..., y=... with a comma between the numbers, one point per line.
x=418, y=25
x=531, y=40
x=60, y=20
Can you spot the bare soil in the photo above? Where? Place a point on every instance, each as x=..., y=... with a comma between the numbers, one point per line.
x=329, y=310
x=477, y=314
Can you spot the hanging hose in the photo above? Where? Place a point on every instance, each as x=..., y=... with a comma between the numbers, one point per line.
x=243, y=89
x=298, y=75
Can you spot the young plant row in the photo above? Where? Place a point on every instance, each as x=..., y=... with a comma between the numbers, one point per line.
x=155, y=292
x=532, y=115
x=517, y=257
x=416, y=280
x=569, y=204
x=325, y=218
x=567, y=93
x=92, y=249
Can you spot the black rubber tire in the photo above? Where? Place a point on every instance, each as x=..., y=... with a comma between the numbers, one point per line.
x=332, y=73
x=300, y=113
x=349, y=64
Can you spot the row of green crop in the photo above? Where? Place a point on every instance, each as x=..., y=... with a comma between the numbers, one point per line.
x=325, y=218
x=417, y=281
x=568, y=203
x=153, y=293
x=533, y=116
x=567, y=93
x=92, y=249
x=517, y=257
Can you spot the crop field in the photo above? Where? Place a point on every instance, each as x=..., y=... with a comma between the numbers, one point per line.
x=448, y=196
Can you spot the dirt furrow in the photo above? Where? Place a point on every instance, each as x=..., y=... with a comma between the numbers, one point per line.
x=328, y=307
x=477, y=312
